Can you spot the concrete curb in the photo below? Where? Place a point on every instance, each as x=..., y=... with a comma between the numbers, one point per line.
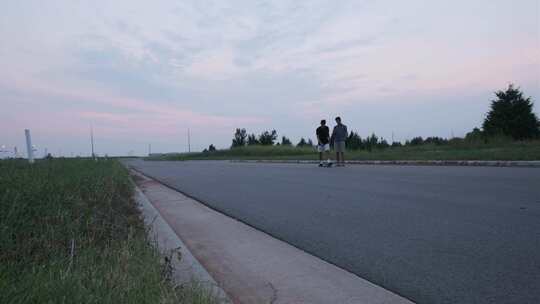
x=467, y=163
x=186, y=269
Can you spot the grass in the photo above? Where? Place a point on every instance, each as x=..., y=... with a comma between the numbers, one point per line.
x=70, y=232
x=456, y=150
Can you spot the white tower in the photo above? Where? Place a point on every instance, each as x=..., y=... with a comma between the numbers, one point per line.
x=29, y=147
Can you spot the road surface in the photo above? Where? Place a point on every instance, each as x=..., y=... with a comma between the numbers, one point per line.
x=430, y=234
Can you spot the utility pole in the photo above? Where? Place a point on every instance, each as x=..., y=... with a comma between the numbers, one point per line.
x=188, y=141
x=29, y=147
x=149, y=149
x=392, y=137
x=92, y=141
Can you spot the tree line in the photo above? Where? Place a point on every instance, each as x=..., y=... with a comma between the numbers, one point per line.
x=266, y=138
x=353, y=141
x=510, y=116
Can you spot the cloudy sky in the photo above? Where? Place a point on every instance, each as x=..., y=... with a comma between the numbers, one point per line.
x=143, y=72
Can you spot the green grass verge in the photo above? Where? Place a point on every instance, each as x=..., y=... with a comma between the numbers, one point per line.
x=70, y=233
x=458, y=150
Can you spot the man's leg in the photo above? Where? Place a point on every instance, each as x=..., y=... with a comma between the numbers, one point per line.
x=339, y=153
x=326, y=149
x=343, y=158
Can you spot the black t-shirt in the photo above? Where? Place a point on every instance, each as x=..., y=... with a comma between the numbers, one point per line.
x=323, y=133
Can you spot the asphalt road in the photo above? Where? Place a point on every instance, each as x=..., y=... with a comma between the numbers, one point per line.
x=430, y=234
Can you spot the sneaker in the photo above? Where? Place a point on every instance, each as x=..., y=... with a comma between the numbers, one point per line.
x=320, y=164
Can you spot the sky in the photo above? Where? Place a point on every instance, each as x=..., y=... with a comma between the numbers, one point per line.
x=143, y=72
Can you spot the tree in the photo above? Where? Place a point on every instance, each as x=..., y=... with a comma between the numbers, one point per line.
x=474, y=135
x=239, y=139
x=267, y=138
x=435, y=140
x=417, y=141
x=353, y=141
x=252, y=140
x=382, y=144
x=512, y=115
x=304, y=143
x=371, y=142
x=211, y=148
x=285, y=141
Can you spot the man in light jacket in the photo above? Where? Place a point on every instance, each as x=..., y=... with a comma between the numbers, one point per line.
x=339, y=135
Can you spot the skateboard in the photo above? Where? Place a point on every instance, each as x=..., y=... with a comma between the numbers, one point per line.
x=326, y=165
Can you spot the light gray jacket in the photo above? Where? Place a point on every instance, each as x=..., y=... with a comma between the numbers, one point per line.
x=339, y=133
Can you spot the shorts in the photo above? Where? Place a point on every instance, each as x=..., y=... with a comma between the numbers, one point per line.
x=339, y=146
x=323, y=148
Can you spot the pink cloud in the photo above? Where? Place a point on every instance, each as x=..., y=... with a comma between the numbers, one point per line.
x=155, y=114
x=141, y=121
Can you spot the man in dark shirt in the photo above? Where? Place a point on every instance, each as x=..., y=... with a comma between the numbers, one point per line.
x=323, y=138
